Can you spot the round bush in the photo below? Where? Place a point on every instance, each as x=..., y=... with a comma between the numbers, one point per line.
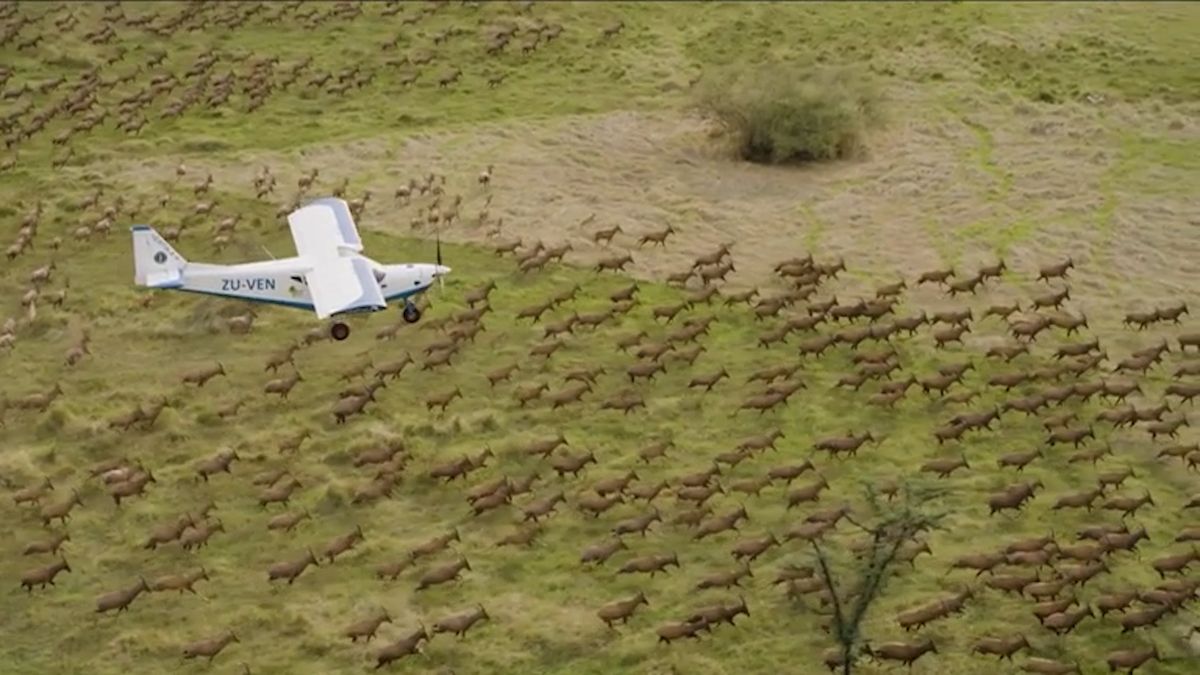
x=780, y=114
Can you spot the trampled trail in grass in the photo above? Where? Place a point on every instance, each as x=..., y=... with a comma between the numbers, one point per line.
x=563, y=181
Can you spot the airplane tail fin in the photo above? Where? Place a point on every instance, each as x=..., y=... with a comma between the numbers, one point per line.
x=155, y=263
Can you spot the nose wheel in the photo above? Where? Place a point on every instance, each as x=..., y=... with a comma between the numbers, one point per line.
x=339, y=331
x=411, y=313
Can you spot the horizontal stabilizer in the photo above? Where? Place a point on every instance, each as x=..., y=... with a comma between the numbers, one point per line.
x=164, y=279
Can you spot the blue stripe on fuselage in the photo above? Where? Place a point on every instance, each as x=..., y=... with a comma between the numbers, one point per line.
x=274, y=301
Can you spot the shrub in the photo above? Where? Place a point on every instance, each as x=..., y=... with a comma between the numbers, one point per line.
x=782, y=114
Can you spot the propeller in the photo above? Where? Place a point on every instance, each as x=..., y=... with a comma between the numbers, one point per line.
x=438, y=245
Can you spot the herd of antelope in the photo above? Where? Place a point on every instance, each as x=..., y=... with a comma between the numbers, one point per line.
x=747, y=416
x=597, y=349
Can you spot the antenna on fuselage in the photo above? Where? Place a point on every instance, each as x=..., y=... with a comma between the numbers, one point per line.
x=264, y=248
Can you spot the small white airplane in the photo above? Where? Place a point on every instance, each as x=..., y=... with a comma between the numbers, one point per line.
x=329, y=274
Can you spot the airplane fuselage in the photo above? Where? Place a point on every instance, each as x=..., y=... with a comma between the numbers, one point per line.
x=328, y=275
x=282, y=281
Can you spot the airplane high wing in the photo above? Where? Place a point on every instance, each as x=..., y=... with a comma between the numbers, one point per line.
x=343, y=285
x=340, y=280
x=324, y=228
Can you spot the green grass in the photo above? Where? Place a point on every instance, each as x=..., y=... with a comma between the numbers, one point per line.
x=1132, y=62
x=647, y=65
x=939, y=237
x=542, y=602
x=814, y=227
x=983, y=155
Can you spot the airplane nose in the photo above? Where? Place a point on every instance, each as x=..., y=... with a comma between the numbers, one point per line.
x=439, y=270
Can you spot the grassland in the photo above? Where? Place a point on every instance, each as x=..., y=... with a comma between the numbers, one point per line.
x=1032, y=131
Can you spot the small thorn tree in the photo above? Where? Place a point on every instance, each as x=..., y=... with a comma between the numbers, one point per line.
x=890, y=526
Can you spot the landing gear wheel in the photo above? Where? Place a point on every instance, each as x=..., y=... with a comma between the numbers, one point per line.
x=411, y=313
x=339, y=331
